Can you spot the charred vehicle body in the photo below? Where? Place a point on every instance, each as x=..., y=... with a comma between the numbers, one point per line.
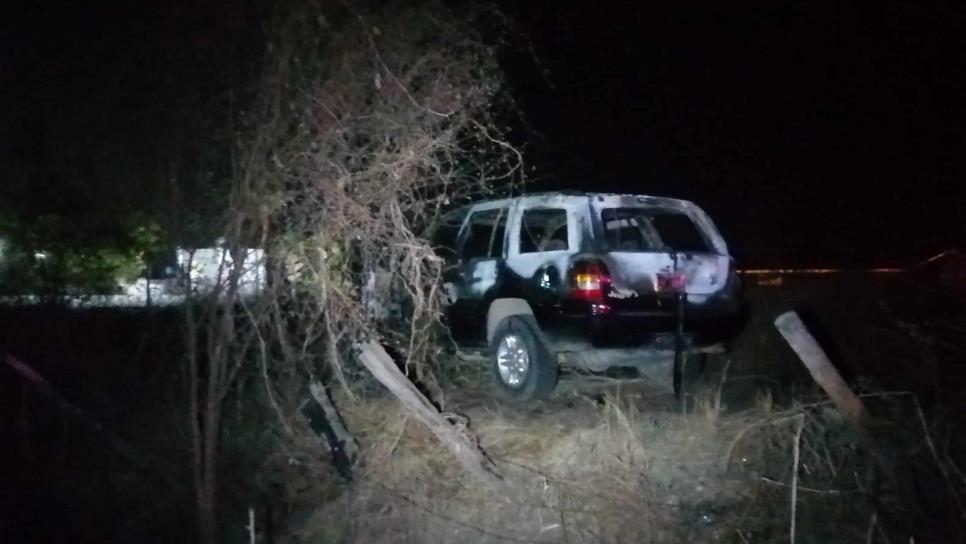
x=589, y=280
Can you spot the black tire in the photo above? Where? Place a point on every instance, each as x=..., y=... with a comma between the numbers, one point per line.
x=540, y=377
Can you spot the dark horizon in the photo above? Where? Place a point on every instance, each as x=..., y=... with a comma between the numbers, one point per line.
x=813, y=135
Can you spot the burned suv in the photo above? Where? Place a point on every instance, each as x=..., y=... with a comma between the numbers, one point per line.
x=587, y=280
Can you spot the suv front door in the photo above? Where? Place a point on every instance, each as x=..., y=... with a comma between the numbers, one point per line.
x=477, y=275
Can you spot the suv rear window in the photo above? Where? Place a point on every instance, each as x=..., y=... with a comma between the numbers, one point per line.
x=485, y=235
x=649, y=229
x=544, y=230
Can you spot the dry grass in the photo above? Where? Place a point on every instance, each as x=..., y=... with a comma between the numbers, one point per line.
x=609, y=461
x=610, y=467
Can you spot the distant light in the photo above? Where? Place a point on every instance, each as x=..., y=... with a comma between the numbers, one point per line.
x=813, y=271
x=772, y=271
x=937, y=257
x=818, y=271
x=40, y=255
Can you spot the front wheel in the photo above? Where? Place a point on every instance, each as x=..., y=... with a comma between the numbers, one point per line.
x=522, y=366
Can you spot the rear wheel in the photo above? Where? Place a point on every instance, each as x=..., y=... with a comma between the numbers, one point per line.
x=522, y=366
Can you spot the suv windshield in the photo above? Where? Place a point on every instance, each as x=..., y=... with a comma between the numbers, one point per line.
x=651, y=229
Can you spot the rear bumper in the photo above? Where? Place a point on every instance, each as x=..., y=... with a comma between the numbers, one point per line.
x=645, y=324
x=597, y=359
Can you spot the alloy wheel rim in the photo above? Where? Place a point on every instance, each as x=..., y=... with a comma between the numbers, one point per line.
x=512, y=360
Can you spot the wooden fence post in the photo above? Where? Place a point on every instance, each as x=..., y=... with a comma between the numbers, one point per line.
x=824, y=373
x=466, y=451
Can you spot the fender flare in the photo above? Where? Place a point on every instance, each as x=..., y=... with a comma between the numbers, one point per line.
x=502, y=308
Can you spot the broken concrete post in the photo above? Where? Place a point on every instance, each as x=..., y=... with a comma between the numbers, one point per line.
x=327, y=425
x=824, y=373
x=321, y=396
x=466, y=451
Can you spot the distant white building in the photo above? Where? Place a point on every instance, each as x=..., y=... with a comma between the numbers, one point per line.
x=202, y=270
x=208, y=268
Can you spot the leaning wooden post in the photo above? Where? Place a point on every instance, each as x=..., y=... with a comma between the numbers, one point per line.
x=820, y=367
x=466, y=451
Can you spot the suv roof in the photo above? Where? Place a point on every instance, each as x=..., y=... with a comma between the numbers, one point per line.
x=641, y=198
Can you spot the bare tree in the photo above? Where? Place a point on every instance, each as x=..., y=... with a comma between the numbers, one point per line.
x=362, y=146
x=369, y=124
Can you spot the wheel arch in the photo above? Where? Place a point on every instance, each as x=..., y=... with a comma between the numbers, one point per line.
x=502, y=308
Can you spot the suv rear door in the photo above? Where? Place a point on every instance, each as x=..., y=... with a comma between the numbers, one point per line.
x=545, y=235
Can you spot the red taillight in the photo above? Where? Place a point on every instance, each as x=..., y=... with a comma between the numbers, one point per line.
x=670, y=282
x=589, y=281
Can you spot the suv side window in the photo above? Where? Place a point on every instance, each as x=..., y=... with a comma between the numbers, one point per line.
x=446, y=234
x=543, y=229
x=485, y=235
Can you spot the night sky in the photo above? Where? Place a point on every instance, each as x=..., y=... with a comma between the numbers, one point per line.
x=814, y=134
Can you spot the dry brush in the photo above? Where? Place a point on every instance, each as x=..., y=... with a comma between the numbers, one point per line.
x=369, y=122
